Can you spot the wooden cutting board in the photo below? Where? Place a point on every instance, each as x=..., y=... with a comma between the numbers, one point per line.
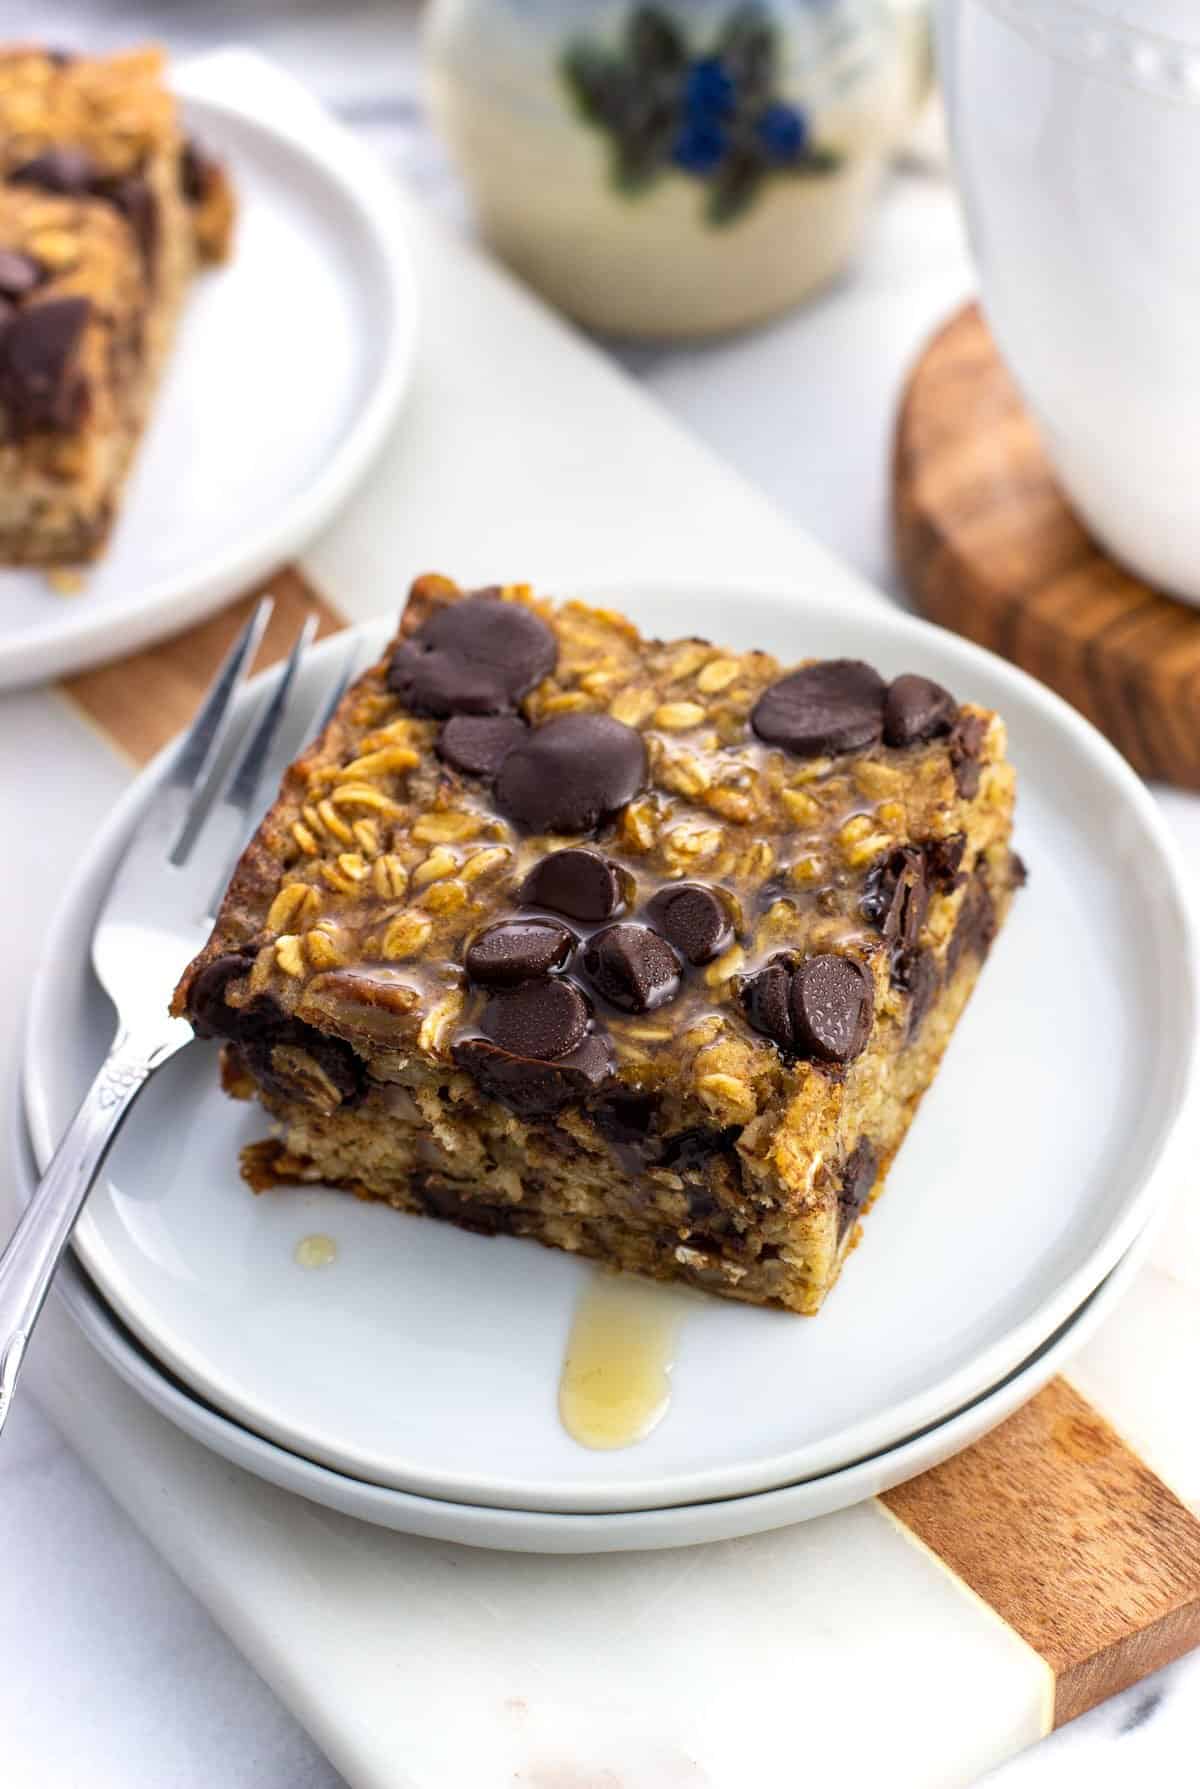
x=990, y=547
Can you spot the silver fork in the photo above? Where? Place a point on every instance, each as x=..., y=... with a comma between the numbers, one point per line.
x=158, y=913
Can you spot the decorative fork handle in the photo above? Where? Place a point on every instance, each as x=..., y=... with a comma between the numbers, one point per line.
x=28, y=1264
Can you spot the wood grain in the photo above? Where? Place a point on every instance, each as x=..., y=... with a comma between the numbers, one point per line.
x=140, y=703
x=989, y=547
x=1072, y=1540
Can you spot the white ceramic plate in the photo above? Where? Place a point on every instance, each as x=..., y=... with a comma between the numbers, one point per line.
x=287, y=374
x=521, y=1531
x=428, y=1360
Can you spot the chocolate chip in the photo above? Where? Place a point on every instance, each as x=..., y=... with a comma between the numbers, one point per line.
x=942, y=860
x=65, y=169
x=1018, y=870
x=542, y=1019
x=135, y=200
x=261, y=1027
x=834, y=706
x=518, y=950
x=337, y=1062
x=632, y=967
x=694, y=917
x=628, y=1122
x=39, y=385
x=832, y=1006
x=858, y=1177
x=478, y=655
x=531, y=1088
x=196, y=172
x=439, y=1197
x=896, y=895
x=477, y=744
x=19, y=273
x=572, y=773
x=976, y=925
x=765, y=999
x=691, y=1153
x=916, y=709
x=915, y=971
x=208, y=1010
x=966, y=748
x=579, y=883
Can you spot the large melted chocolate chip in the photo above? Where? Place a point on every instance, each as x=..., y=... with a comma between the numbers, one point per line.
x=40, y=385
x=529, y=1087
x=477, y=744
x=579, y=883
x=66, y=169
x=571, y=773
x=518, y=950
x=542, y=1019
x=19, y=273
x=766, y=1000
x=966, y=749
x=916, y=709
x=832, y=1006
x=478, y=655
x=695, y=919
x=858, y=1178
x=896, y=895
x=834, y=706
x=633, y=967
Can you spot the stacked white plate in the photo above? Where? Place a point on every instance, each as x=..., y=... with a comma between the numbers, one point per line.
x=414, y=1381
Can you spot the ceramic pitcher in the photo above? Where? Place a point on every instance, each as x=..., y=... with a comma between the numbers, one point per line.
x=1076, y=131
x=677, y=168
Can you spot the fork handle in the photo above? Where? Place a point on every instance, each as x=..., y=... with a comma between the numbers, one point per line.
x=28, y=1263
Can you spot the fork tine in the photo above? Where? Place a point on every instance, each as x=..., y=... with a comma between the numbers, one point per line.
x=203, y=739
x=244, y=782
x=238, y=806
x=325, y=712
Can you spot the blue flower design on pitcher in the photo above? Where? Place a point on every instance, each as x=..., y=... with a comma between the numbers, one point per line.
x=713, y=114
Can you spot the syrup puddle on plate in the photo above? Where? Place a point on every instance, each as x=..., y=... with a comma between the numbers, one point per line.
x=616, y=1378
x=315, y=1251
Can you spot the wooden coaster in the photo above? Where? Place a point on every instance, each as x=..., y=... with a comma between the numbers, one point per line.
x=990, y=548
x=1051, y=1520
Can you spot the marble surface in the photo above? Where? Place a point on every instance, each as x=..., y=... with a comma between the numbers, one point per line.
x=110, y=1673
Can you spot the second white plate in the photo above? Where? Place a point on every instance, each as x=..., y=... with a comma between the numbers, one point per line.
x=289, y=368
x=427, y=1359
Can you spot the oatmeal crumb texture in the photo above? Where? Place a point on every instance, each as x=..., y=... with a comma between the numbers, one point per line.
x=105, y=212
x=645, y=949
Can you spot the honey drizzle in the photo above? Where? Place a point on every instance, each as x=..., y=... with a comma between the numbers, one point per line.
x=616, y=1377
